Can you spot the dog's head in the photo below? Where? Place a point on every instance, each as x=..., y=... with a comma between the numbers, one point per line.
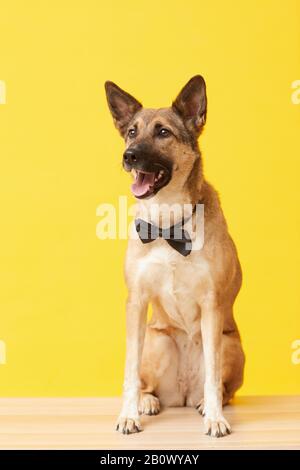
x=161, y=144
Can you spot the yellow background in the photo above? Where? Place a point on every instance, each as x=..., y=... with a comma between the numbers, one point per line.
x=62, y=289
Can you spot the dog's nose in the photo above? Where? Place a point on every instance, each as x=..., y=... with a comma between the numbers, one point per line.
x=130, y=156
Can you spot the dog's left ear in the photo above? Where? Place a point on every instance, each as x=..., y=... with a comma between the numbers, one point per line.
x=191, y=104
x=122, y=106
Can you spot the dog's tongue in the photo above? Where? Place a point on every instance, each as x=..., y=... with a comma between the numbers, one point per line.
x=142, y=183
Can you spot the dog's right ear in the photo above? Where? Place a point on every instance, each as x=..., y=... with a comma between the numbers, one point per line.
x=122, y=106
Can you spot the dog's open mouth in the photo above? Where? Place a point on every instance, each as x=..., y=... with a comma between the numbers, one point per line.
x=148, y=183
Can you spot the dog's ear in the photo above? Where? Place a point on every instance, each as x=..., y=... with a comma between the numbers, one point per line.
x=191, y=104
x=122, y=106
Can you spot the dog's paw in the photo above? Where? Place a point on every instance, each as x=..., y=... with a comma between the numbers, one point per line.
x=200, y=407
x=216, y=427
x=126, y=425
x=149, y=404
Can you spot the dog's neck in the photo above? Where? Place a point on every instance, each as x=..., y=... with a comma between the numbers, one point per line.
x=170, y=205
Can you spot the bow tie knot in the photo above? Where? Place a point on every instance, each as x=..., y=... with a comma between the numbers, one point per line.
x=175, y=236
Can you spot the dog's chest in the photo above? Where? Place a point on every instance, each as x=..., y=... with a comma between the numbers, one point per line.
x=174, y=280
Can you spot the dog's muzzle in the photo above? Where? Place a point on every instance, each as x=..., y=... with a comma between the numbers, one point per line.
x=152, y=171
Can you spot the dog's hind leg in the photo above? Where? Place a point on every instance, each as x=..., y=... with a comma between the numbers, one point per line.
x=233, y=361
x=158, y=372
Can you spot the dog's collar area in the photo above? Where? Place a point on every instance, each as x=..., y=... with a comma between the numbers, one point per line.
x=175, y=236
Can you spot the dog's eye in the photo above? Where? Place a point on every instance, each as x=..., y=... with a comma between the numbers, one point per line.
x=132, y=132
x=164, y=132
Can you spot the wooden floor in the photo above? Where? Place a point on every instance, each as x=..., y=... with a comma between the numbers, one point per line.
x=88, y=423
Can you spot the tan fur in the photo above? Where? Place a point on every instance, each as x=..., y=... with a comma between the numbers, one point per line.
x=190, y=353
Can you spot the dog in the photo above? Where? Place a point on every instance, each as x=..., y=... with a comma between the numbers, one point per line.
x=190, y=353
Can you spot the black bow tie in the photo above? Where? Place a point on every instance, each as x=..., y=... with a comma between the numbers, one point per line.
x=176, y=236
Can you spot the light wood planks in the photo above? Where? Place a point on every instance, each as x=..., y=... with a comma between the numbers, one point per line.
x=88, y=423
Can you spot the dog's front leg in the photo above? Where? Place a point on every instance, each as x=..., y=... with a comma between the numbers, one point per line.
x=136, y=315
x=212, y=328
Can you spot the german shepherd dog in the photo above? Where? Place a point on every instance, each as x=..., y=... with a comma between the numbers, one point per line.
x=190, y=353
